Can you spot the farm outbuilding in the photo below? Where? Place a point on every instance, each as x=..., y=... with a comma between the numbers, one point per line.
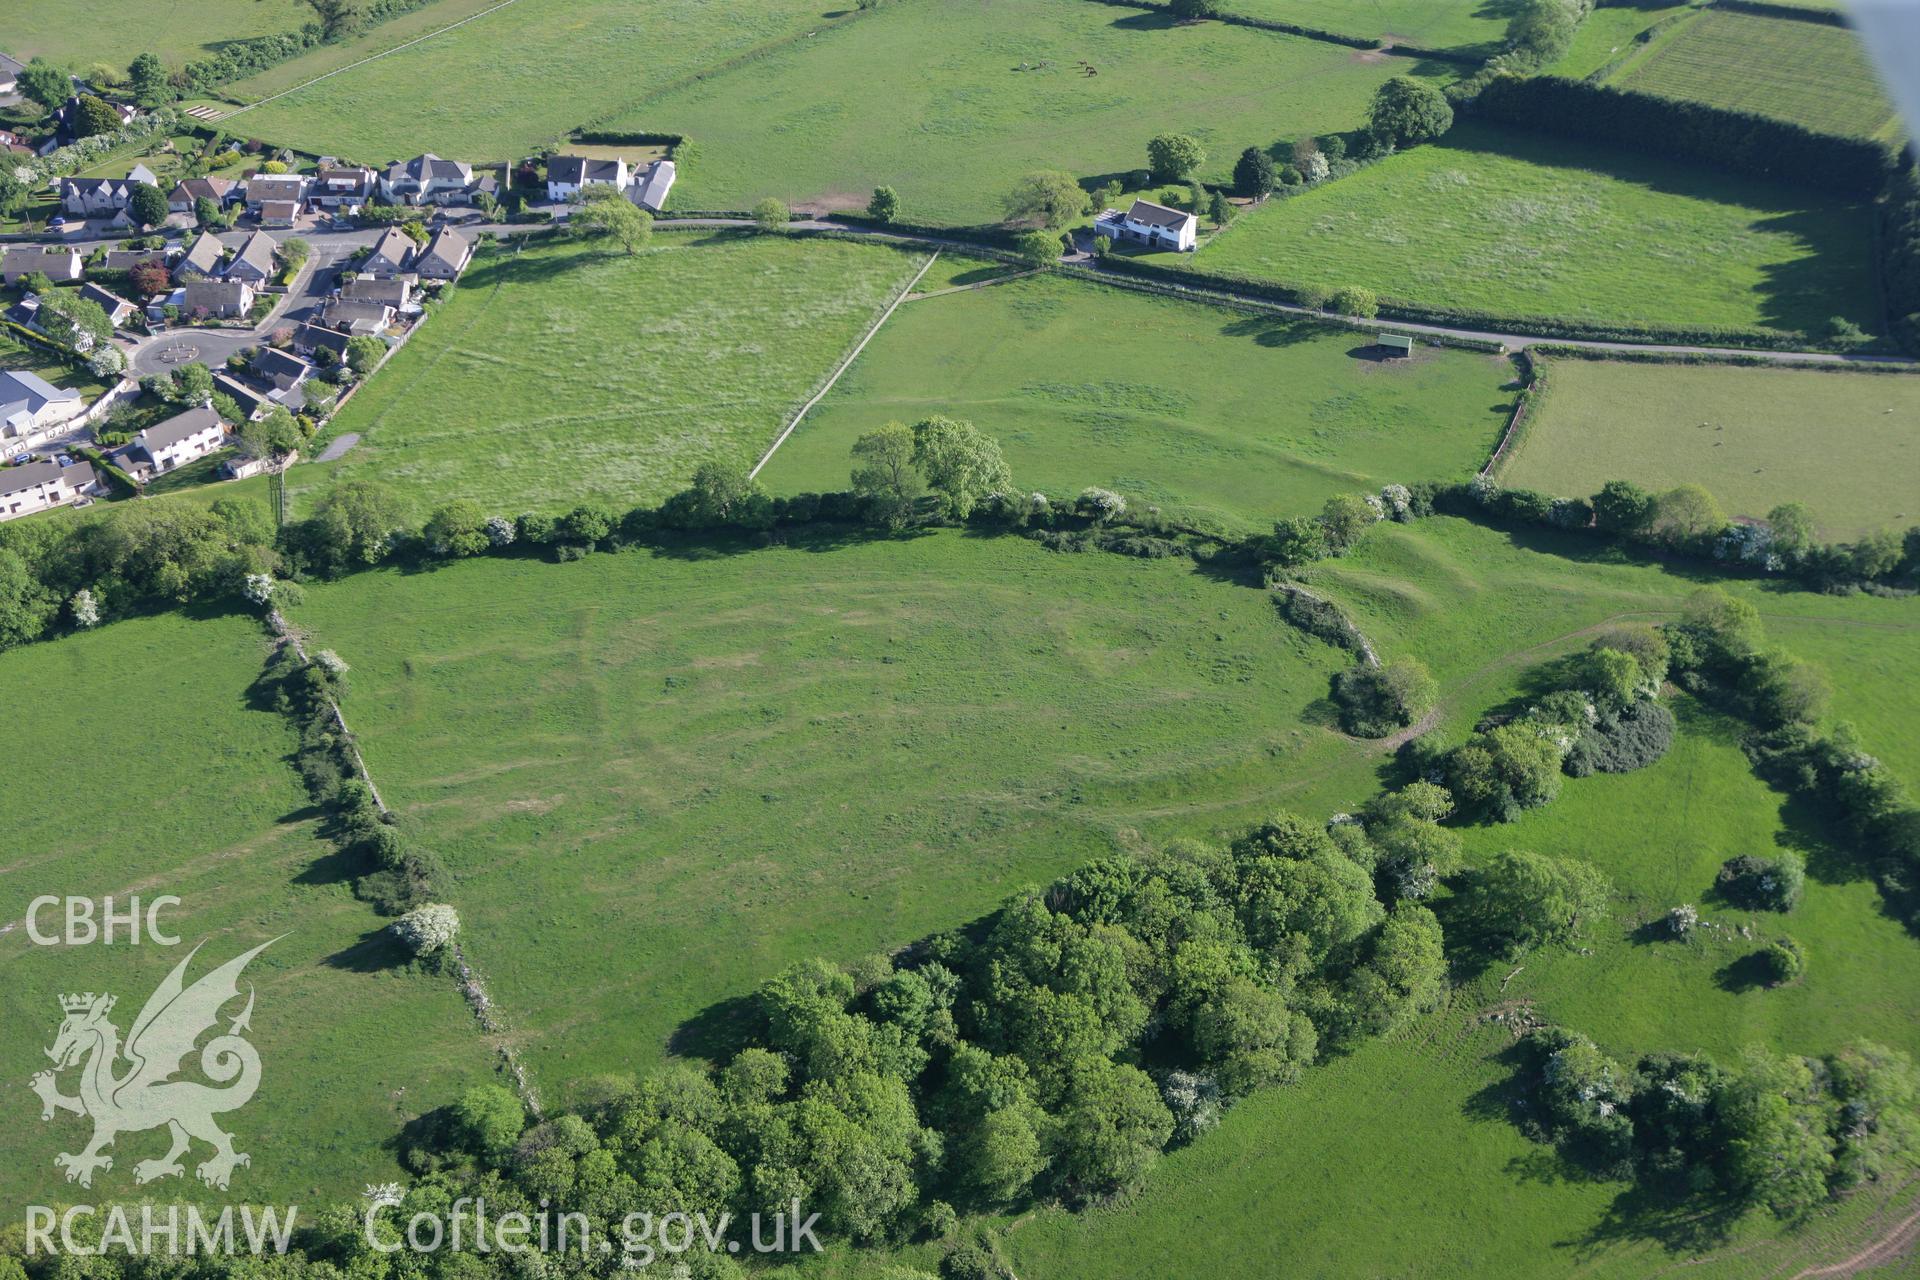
x=1394, y=344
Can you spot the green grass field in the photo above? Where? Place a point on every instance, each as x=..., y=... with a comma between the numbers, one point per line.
x=508, y=82
x=568, y=373
x=1238, y=418
x=658, y=778
x=1429, y=24
x=136, y=765
x=932, y=100
x=1395, y=1161
x=1843, y=443
x=1810, y=73
x=116, y=31
x=1519, y=225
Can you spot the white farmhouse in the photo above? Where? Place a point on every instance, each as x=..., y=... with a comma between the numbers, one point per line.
x=1150, y=224
x=567, y=176
x=40, y=485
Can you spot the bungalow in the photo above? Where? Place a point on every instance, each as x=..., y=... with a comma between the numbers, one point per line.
x=1150, y=224
x=118, y=309
x=281, y=370
x=357, y=317
x=128, y=259
x=254, y=260
x=342, y=188
x=445, y=256
x=31, y=406
x=651, y=184
x=62, y=266
x=278, y=213
x=10, y=69
x=394, y=291
x=310, y=339
x=392, y=254
x=251, y=400
x=263, y=188
x=169, y=445
x=427, y=179
x=38, y=486
x=568, y=175
x=186, y=194
x=202, y=260
x=222, y=299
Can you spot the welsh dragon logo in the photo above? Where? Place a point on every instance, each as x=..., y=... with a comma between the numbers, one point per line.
x=145, y=1095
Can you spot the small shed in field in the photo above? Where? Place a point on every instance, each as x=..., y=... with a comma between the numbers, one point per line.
x=1394, y=344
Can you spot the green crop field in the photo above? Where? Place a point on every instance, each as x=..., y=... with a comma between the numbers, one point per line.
x=658, y=778
x=1518, y=225
x=950, y=104
x=1846, y=444
x=503, y=84
x=567, y=373
x=1428, y=24
x=1810, y=73
x=138, y=765
x=1238, y=417
x=116, y=31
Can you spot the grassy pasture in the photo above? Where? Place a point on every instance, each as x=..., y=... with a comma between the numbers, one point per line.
x=1810, y=73
x=1429, y=24
x=137, y=765
x=568, y=373
x=659, y=777
x=1609, y=33
x=931, y=99
x=117, y=31
x=1236, y=417
x=1519, y=225
x=1846, y=444
x=505, y=83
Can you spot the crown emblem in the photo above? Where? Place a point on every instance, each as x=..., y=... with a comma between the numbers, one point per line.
x=81, y=1003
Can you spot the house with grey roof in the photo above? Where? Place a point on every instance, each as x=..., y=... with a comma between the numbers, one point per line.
x=427, y=179
x=62, y=266
x=1150, y=224
x=311, y=339
x=128, y=259
x=169, y=445
x=393, y=291
x=39, y=486
x=356, y=318
x=650, y=185
x=392, y=254
x=253, y=262
x=10, y=69
x=275, y=187
x=118, y=309
x=445, y=256
x=217, y=299
x=567, y=176
x=282, y=370
x=103, y=197
x=189, y=190
x=31, y=406
x=202, y=259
